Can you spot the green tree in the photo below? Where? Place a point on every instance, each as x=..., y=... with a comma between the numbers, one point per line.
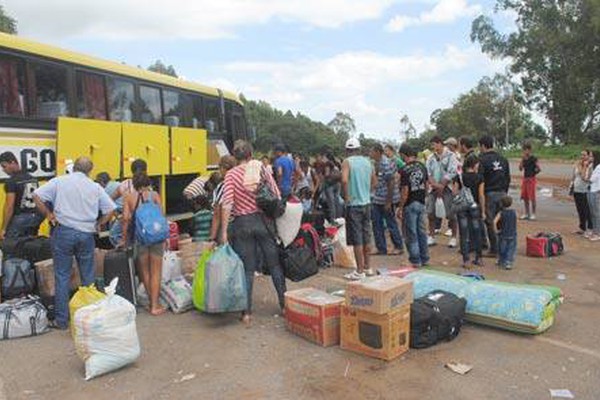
x=161, y=68
x=555, y=51
x=343, y=125
x=407, y=130
x=7, y=23
x=491, y=108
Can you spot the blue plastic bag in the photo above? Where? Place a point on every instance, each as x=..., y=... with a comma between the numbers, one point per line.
x=225, y=281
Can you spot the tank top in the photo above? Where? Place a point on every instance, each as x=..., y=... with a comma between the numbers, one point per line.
x=359, y=183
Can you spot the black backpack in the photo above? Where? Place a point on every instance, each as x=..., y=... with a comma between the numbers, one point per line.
x=298, y=262
x=18, y=278
x=268, y=202
x=437, y=316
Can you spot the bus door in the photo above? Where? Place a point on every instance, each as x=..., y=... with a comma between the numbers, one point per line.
x=98, y=140
x=148, y=142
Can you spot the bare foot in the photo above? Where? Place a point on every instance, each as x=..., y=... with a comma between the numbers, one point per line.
x=157, y=310
x=246, y=320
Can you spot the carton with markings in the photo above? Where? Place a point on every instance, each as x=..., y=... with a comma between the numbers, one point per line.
x=380, y=294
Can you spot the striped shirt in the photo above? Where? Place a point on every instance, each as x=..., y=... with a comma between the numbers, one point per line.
x=217, y=195
x=237, y=197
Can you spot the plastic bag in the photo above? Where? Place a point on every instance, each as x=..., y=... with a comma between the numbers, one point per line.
x=289, y=223
x=84, y=296
x=105, y=334
x=178, y=294
x=199, y=283
x=440, y=208
x=171, y=266
x=225, y=282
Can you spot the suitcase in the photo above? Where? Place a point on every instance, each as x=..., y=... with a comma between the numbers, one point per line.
x=18, y=278
x=119, y=264
x=544, y=245
x=435, y=317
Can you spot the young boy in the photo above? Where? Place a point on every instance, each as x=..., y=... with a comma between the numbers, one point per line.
x=506, y=223
x=530, y=166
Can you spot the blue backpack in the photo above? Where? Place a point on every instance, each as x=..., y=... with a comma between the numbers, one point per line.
x=151, y=226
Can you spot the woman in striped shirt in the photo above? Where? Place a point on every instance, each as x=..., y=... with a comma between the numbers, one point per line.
x=249, y=232
x=225, y=164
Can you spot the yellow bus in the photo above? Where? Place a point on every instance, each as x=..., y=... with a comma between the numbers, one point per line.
x=56, y=105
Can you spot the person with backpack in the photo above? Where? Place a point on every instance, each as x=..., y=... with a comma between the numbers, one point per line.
x=469, y=217
x=251, y=231
x=126, y=186
x=329, y=178
x=142, y=209
x=20, y=216
x=77, y=201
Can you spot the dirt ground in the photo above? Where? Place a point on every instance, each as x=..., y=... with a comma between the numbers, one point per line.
x=223, y=360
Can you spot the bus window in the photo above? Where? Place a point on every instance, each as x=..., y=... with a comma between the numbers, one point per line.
x=91, y=96
x=150, y=109
x=212, y=115
x=197, y=117
x=12, y=87
x=49, y=91
x=120, y=99
x=186, y=111
x=172, y=107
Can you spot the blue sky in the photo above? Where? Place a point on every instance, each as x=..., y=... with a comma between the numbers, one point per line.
x=375, y=59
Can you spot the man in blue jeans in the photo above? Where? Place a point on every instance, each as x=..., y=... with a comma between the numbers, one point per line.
x=412, y=212
x=20, y=217
x=77, y=200
x=385, y=199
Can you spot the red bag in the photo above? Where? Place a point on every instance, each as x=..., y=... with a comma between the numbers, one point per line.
x=173, y=240
x=544, y=245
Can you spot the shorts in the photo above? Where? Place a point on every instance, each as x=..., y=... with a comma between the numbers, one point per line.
x=157, y=249
x=358, y=225
x=528, y=187
x=447, y=198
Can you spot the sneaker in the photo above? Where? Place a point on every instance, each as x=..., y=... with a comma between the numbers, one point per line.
x=355, y=276
x=452, y=243
x=430, y=241
x=437, y=231
x=524, y=217
x=594, y=238
x=588, y=234
x=478, y=262
x=448, y=233
x=369, y=272
x=578, y=232
x=532, y=217
x=508, y=267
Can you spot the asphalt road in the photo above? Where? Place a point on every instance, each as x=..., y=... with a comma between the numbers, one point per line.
x=224, y=360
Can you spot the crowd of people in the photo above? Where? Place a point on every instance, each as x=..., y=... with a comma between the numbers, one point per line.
x=382, y=193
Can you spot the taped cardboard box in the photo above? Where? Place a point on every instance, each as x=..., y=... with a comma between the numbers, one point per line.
x=314, y=315
x=379, y=294
x=383, y=336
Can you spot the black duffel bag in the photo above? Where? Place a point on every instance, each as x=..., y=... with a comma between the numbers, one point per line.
x=437, y=316
x=298, y=262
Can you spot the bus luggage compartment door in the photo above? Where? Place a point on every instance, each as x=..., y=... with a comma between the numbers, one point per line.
x=188, y=151
x=98, y=140
x=148, y=142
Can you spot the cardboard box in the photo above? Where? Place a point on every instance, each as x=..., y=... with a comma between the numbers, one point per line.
x=314, y=315
x=379, y=294
x=383, y=336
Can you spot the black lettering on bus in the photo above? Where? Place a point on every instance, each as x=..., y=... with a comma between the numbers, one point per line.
x=47, y=160
x=28, y=160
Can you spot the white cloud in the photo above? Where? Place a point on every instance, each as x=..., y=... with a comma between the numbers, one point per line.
x=180, y=19
x=374, y=88
x=445, y=11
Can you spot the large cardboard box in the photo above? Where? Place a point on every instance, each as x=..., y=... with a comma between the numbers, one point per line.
x=384, y=336
x=379, y=294
x=314, y=315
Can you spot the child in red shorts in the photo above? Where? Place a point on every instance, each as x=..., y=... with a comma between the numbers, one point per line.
x=530, y=166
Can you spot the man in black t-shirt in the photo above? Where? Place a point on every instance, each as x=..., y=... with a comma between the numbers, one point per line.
x=20, y=216
x=412, y=212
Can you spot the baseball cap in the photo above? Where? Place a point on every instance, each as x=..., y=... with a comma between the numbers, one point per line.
x=451, y=141
x=352, y=144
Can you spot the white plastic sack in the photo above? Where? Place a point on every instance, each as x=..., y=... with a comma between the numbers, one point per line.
x=171, y=266
x=340, y=235
x=440, y=208
x=178, y=294
x=288, y=225
x=105, y=334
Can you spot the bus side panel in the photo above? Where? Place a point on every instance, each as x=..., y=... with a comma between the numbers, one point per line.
x=148, y=142
x=99, y=140
x=188, y=151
